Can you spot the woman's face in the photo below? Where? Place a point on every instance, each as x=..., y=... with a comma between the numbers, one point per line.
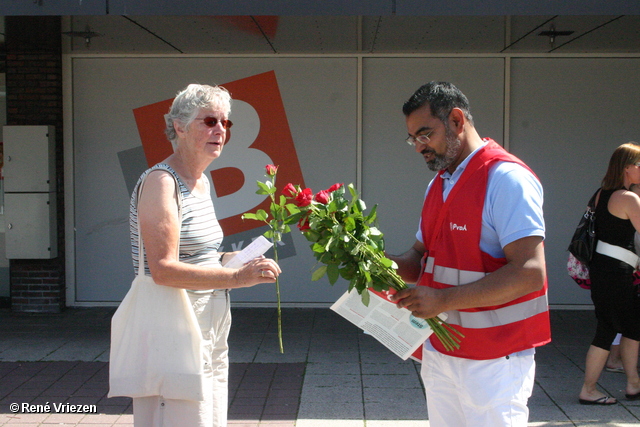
x=206, y=134
x=633, y=173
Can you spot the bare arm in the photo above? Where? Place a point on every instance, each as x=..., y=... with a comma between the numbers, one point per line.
x=160, y=229
x=409, y=262
x=524, y=273
x=626, y=205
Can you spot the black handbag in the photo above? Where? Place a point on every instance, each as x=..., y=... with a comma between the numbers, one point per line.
x=583, y=242
x=582, y=246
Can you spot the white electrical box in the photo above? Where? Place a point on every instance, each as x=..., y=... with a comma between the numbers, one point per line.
x=29, y=159
x=30, y=225
x=30, y=212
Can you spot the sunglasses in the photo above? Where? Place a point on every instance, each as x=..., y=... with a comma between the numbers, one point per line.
x=212, y=121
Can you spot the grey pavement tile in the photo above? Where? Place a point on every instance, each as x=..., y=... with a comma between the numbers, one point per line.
x=546, y=413
x=320, y=422
x=331, y=395
x=331, y=367
x=552, y=424
x=558, y=372
x=401, y=399
x=605, y=414
x=398, y=423
x=328, y=380
x=396, y=409
x=333, y=345
x=80, y=349
x=242, y=356
x=379, y=357
x=540, y=398
x=338, y=357
x=333, y=412
x=31, y=349
x=397, y=367
x=391, y=381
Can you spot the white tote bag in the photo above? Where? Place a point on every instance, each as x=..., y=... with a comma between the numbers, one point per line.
x=156, y=343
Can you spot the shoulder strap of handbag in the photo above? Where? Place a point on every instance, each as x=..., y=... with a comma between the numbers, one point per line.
x=178, y=197
x=593, y=202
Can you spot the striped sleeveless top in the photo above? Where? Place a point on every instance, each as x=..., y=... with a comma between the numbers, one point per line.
x=200, y=233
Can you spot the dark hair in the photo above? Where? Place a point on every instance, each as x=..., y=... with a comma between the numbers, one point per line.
x=623, y=156
x=442, y=97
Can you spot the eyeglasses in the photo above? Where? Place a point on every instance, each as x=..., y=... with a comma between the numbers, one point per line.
x=212, y=122
x=420, y=139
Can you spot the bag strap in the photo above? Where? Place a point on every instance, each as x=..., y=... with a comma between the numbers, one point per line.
x=178, y=197
x=593, y=201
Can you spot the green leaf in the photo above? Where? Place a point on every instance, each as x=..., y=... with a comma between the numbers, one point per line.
x=333, y=273
x=352, y=190
x=293, y=209
x=250, y=215
x=373, y=214
x=365, y=297
x=265, y=188
x=349, y=224
x=386, y=262
x=319, y=273
x=318, y=247
x=261, y=214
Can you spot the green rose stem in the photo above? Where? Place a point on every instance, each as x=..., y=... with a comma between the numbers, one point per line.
x=278, y=226
x=448, y=336
x=275, y=258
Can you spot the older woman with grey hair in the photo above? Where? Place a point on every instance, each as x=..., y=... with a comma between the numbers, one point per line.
x=182, y=252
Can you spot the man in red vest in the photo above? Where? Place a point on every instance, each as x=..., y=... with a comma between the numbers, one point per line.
x=479, y=257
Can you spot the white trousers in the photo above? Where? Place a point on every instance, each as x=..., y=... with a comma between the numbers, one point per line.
x=214, y=318
x=478, y=393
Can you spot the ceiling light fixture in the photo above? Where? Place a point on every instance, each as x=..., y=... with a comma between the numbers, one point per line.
x=87, y=35
x=552, y=33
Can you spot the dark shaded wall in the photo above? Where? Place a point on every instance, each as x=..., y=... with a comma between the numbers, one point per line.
x=34, y=97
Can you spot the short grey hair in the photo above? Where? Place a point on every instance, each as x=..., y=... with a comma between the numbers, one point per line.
x=189, y=101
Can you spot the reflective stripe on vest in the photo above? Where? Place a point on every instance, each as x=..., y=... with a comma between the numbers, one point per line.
x=488, y=318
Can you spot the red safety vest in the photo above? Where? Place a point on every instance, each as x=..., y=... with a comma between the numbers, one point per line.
x=451, y=234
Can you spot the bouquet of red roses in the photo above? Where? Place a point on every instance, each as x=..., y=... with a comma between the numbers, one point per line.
x=347, y=244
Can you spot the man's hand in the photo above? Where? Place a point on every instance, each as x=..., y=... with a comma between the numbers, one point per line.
x=422, y=301
x=523, y=273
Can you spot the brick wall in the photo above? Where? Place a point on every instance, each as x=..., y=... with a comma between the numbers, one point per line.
x=34, y=97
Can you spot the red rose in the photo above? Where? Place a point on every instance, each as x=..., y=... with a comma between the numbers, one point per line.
x=323, y=197
x=289, y=191
x=271, y=170
x=334, y=187
x=303, y=224
x=304, y=198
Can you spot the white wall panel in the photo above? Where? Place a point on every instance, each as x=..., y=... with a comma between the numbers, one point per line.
x=567, y=117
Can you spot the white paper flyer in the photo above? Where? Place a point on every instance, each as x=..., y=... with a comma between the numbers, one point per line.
x=396, y=328
x=256, y=248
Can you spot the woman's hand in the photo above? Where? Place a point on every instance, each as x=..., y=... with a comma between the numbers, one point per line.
x=258, y=270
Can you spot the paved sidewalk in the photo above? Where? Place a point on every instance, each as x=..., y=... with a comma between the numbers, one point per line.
x=331, y=374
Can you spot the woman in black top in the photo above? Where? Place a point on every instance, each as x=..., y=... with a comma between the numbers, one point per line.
x=614, y=295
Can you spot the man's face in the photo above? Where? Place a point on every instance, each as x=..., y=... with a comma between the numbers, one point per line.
x=443, y=148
